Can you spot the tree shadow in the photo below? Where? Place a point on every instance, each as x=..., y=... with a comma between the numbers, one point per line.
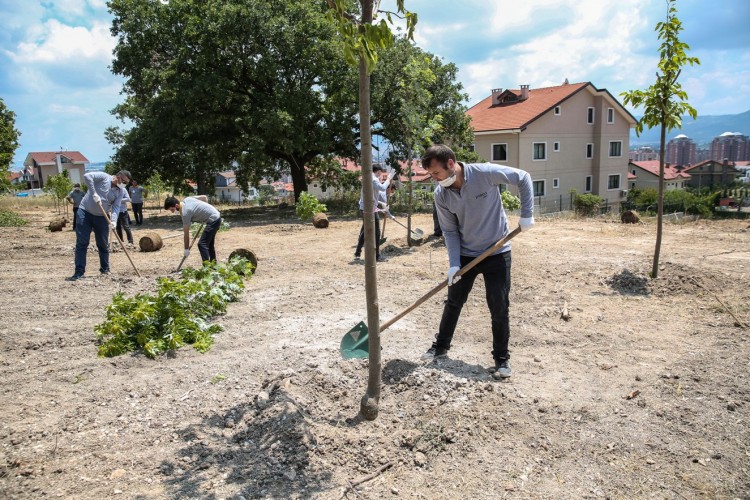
x=263, y=448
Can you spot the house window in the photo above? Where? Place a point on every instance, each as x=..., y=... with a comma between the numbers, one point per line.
x=499, y=152
x=634, y=172
x=613, y=181
x=589, y=151
x=588, y=184
x=538, y=188
x=555, y=183
x=590, y=115
x=556, y=146
x=558, y=111
x=471, y=148
x=610, y=115
x=615, y=148
x=539, y=151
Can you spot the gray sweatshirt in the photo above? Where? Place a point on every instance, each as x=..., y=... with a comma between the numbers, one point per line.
x=473, y=218
x=377, y=188
x=101, y=184
x=136, y=194
x=195, y=210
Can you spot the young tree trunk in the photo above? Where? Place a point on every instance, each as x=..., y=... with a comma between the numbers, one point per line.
x=660, y=203
x=369, y=404
x=411, y=199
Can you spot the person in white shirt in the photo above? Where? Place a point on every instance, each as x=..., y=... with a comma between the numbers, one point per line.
x=378, y=187
x=123, y=219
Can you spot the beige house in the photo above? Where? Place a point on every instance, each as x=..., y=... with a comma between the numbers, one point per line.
x=40, y=166
x=573, y=136
x=646, y=175
x=714, y=174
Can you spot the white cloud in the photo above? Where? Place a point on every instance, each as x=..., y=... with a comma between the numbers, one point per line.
x=57, y=42
x=69, y=110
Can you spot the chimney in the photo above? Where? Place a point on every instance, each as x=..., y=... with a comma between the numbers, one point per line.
x=524, y=92
x=495, y=95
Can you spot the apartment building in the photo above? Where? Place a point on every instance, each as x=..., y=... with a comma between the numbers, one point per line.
x=731, y=146
x=681, y=151
x=572, y=136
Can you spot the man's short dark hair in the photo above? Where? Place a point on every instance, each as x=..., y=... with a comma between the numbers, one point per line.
x=377, y=168
x=125, y=173
x=439, y=152
x=76, y=185
x=170, y=202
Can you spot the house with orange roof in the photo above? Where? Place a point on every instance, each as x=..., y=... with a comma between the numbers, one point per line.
x=572, y=136
x=41, y=165
x=646, y=175
x=714, y=174
x=226, y=188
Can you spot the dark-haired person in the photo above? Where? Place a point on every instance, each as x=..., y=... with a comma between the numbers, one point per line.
x=123, y=219
x=378, y=187
x=197, y=209
x=136, y=201
x=75, y=196
x=104, y=194
x=472, y=217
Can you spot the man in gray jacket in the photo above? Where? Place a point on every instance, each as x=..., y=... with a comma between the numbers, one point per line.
x=104, y=195
x=473, y=219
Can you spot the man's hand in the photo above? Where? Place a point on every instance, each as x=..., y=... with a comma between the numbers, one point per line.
x=97, y=198
x=187, y=252
x=392, y=174
x=113, y=224
x=526, y=223
x=452, y=278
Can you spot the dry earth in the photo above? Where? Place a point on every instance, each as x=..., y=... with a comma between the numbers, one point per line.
x=642, y=393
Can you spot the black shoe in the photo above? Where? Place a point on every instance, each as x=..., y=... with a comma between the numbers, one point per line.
x=381, y=258
x=103, y=271
x=435, y=352
x=356, y=256
x=75, y=277
x=502, y=369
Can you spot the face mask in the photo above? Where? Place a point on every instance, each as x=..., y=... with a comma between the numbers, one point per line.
x=121, y=185
x=448, y=182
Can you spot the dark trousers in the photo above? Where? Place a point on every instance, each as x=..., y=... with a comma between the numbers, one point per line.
x=496, y=272
x=361, y=240
x=138, y=212
x=206, y=243
x=123, y=222
x=75, y=217
x=435, y=224
x=86, y=223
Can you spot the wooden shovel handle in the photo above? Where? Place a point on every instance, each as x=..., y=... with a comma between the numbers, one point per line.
x=195, y=238
x=460, y=272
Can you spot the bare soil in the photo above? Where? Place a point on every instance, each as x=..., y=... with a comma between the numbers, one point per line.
x=642, y=392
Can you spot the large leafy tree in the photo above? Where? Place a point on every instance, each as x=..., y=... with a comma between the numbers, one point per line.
x=664, y=102
x=261, y=85
x=8, y=142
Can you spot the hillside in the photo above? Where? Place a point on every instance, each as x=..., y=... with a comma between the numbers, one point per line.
x=702, y=130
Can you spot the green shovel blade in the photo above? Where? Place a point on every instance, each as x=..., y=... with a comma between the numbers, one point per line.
x=354, y=343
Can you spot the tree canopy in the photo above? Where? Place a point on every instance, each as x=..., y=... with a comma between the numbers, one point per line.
x=8, y=142
x=260, y=86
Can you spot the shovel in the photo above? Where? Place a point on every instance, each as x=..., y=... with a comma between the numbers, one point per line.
x=416, y=234
x=195, y=238
x=355, y=344
x=109, y=223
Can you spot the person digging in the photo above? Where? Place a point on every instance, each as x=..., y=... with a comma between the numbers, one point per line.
x=197, y=209
x=472, y=218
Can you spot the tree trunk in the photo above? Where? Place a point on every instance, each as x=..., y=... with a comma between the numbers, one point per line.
x=369, y=404
x=298, y=177
x=660, y=201
x=411, y=200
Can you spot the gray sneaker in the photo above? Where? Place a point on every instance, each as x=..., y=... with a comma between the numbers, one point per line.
x=435, y=352
x=502, y=369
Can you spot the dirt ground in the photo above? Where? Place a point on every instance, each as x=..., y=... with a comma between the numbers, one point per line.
x=643, y=392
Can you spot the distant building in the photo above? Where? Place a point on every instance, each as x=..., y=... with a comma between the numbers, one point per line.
x=680, y=151
x=40, y=166
x=227, y=189
x=713, y=174
x=732, y=146
x=646, y=175
x=644, y=153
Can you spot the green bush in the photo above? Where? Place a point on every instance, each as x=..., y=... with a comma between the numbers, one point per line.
x=9, y=218
x=510, y=202
x=308, y=205
x=178, y=314
x=587, y=204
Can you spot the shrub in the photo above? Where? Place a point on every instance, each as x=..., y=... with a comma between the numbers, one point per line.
x=178, y=314
x=308, y=205
x=9, y=218
x=587, y=204
x=510, y=201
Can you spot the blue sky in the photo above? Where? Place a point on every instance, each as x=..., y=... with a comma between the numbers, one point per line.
x=55, y=56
